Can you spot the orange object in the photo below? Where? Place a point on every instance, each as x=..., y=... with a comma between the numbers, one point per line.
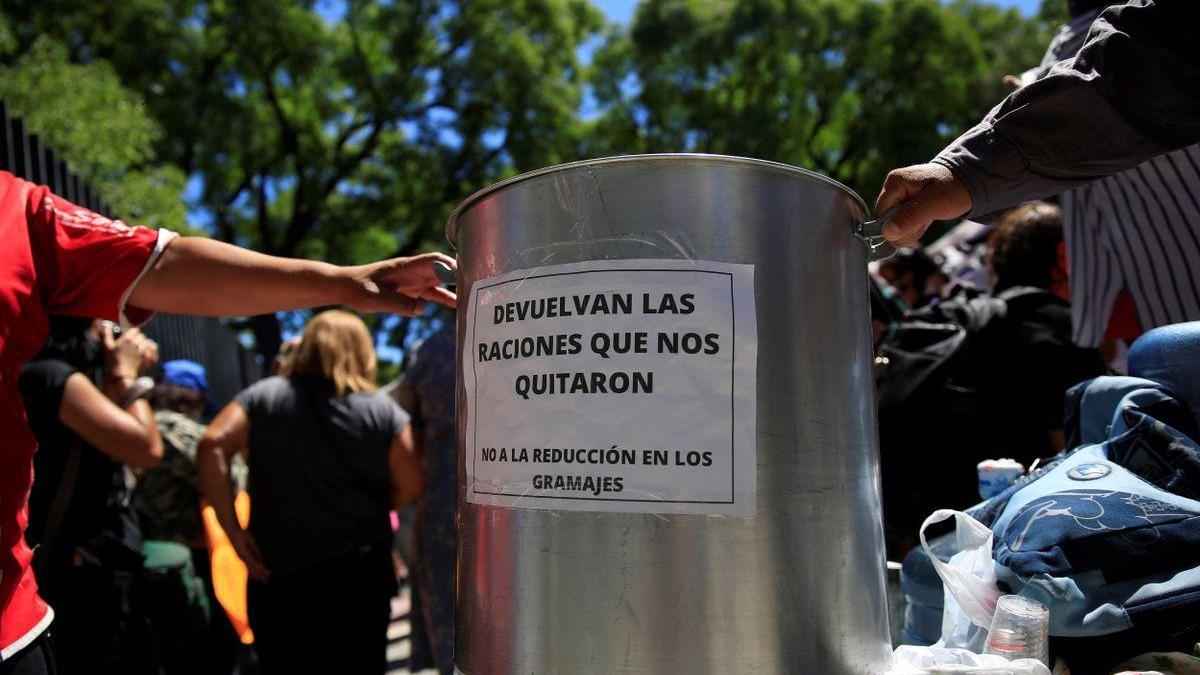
x=228, y=571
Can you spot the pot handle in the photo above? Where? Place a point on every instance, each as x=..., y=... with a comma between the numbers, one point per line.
x=871, y=232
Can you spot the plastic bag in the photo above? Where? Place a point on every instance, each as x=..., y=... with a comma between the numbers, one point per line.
x=968, y=579
x=910, y=660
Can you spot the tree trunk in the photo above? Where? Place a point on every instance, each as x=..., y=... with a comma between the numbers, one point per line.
x=268, y=335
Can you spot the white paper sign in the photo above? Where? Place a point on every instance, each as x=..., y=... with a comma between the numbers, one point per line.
x=617, y=385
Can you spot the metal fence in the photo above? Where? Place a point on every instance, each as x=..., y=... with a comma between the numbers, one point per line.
x=231, y=367
x=23, y=154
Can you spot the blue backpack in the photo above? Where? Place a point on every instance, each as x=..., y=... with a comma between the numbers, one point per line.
x=1108, y=535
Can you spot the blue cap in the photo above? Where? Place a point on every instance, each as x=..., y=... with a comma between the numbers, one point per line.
x=185, y=373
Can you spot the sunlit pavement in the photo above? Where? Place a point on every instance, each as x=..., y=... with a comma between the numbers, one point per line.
x=399, y=646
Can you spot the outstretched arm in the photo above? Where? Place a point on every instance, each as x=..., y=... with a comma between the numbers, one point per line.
x=201, y=276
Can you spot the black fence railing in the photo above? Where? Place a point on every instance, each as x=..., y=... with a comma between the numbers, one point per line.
x=23, y=154
x=231, y=367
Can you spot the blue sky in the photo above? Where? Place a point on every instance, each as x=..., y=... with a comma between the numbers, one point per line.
x=622, y=10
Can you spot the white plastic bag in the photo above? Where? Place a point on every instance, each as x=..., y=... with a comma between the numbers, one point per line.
x=969, y=580
x=909, y=660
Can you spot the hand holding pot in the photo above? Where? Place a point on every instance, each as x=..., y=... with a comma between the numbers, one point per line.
x=926, y=192
x=400, y=285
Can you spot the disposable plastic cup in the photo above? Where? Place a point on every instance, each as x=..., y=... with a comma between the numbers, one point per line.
x=1020, y=630
x=996, y=475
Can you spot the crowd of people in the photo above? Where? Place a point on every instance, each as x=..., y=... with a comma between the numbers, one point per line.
x=986, y=334
x=963, y=356
x=127, y=463
x=987, y=328
x=106, y=594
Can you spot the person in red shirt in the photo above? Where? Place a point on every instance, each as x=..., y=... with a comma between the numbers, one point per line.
x=58, y=258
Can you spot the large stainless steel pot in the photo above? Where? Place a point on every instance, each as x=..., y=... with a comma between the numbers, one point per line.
x=799, y=587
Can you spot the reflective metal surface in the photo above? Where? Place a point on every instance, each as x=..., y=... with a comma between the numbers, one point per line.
x=799, y=588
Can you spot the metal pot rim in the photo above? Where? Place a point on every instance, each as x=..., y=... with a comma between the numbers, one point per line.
x=453, y=221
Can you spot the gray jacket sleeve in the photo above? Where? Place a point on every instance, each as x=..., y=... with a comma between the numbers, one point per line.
x=1132, y=92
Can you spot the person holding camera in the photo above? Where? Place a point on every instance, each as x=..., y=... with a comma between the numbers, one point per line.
x=86, y=539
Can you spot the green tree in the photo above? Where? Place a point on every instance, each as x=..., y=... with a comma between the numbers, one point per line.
x=345, y=137
x=849, y=88
x=1010, y=43
x=99, y=127
x=347, y=130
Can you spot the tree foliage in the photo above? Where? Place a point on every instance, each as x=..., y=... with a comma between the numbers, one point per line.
x=345, y=137
x=849, y=88
x=347, y=129
x=314, y=133
x=99, y=127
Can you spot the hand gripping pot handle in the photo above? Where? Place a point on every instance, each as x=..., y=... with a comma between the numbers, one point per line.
x=871, y=232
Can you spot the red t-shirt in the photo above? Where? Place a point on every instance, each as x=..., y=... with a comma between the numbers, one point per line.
x=55, y=258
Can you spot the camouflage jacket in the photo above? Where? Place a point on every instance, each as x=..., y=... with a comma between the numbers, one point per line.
x=167, y=497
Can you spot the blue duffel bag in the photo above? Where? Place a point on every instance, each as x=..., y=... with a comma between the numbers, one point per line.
x=1108, y=535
